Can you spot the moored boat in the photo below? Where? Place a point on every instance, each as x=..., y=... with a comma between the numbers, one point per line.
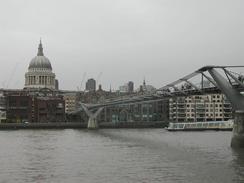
x=198, y=126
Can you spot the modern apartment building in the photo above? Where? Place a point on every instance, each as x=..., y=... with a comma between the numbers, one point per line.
x=211, y=107
x=70, y=102
x=2, y=108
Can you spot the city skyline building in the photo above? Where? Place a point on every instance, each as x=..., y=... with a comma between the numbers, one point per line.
x=127, y=87
x=130, y=86
x=145, y=88
x=123, y=88
x=91, y=84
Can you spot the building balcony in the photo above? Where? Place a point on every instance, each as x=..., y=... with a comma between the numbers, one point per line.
x=227, y=111
x=181, y=107
x=181, y=116
x=200, y=111
x=18, y=108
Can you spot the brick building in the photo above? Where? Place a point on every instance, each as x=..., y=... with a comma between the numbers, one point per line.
x=49, y=109
x=18, y=108
x=24, y=106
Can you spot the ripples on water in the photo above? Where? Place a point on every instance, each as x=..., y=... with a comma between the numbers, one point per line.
x=118, y=155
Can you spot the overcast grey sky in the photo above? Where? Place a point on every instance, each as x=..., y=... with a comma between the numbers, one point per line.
x=125, y=39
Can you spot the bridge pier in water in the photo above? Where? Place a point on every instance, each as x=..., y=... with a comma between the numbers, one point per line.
x=92, y=121
x=237, y=140
x=237, y=101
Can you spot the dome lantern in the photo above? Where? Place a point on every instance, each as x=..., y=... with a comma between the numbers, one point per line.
x=40, y=49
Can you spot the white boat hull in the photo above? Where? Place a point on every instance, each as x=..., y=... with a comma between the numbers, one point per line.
x=200, y=126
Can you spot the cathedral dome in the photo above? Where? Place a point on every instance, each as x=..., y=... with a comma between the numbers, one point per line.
x=39, y=74
x=40, y=61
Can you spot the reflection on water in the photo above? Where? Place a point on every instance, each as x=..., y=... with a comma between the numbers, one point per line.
x=119, y=155
x=238, y=164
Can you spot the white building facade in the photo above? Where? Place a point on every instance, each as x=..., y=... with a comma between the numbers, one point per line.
x=212, y=107
x=70, y=102
x=2, y=108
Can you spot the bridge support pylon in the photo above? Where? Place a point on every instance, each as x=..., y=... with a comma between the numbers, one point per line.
x=238, y=130
x=237, y=101
x=92, y=121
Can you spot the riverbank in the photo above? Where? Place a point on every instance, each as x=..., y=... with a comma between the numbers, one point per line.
x=75, y=125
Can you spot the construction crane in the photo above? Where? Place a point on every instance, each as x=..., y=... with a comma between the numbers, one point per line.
x=82, y=81
x=12, y=75
x=98, y=78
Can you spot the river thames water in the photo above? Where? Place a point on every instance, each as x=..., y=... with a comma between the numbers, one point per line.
x=118, y=156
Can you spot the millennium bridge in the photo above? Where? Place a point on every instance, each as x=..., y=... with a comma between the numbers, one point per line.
x=221, y=79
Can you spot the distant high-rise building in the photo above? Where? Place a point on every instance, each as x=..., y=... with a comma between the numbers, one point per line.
x=130, y=86
x=91, y=85
x=127, y=87
x=123, y=88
